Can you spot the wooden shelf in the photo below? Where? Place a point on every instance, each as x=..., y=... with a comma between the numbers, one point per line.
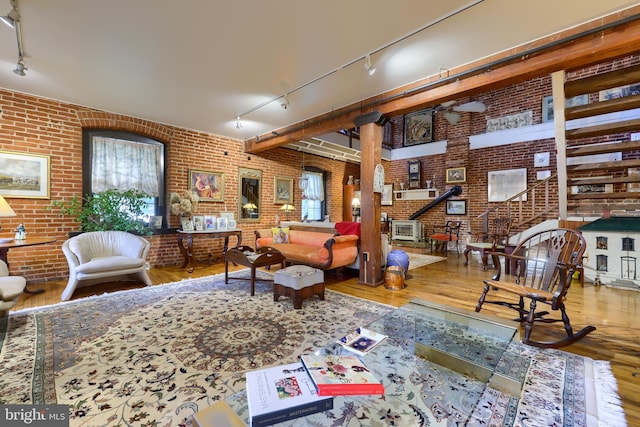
x=605, y=166
x=589, y=149
x=421, y=194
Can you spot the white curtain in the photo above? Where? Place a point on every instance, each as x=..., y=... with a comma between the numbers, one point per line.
x=125, y=165
x=315, y=188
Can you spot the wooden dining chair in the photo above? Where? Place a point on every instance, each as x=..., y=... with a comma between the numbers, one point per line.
x=542, y=267
x=443, y=235
x=495, y=241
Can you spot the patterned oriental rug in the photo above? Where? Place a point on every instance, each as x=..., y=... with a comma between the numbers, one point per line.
x=155, y=356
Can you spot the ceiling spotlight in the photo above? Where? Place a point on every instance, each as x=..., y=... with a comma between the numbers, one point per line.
x=285, y=102
x=367, y=66
x=238, y=123
x=20, y=68
x=13, y=16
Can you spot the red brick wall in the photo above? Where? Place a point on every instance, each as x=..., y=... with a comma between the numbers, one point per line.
x=35, y=125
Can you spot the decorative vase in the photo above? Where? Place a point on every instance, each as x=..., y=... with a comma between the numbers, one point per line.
x=398, y=257
x=350, y=180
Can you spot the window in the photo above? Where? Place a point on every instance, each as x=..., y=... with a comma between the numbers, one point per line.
x=602, y=263
x=123, y=161
x=628, y=244
x=313, y=204
x=601, y=242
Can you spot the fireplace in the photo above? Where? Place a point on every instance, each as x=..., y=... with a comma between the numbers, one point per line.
x=406, y=230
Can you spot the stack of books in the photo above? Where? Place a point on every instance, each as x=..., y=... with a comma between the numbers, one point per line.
x=285, y=392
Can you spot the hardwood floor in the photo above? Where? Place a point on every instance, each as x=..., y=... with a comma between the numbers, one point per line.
x=613, y=311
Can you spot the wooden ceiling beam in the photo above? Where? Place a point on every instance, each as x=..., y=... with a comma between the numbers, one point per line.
x=614, y=37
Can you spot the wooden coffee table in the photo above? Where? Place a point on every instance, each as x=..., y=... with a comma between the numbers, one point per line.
x=246, y=256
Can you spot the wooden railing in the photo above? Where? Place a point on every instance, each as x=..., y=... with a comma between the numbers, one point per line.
x=537, y=209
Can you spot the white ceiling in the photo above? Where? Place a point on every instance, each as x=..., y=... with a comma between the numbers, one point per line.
x=200, y=63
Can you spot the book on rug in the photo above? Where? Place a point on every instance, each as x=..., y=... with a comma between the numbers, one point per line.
x=343, y=375
x=282, y=393
x=219, y=414
x=362, y=340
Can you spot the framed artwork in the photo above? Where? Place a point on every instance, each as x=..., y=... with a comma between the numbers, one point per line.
x=455, y=175
x=155, y=221
x=503, y=185
x=387, y=195
x=547, y=105
x=619, y=92
x=456, y=207
x=209, y=186
x=231, y=224
x=187, y=224
x=593, y=188
x=221, y=224
x=24, y=175
x=209, y=222
x=283, y=190
x=418, y=127
x=227, y=215
x=198, y=222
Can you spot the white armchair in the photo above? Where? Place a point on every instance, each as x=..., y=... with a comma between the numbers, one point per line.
x=10, y=289
x=105, y=256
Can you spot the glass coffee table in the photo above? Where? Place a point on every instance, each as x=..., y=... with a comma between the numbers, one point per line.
x=435, y=366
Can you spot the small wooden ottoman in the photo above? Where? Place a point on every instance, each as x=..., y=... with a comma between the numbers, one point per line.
x=298, y=282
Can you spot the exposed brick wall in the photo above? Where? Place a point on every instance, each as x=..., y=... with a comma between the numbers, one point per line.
x=31, y=124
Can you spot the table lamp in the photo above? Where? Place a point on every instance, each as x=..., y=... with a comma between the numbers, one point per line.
x=288, y=209
x=5, y=209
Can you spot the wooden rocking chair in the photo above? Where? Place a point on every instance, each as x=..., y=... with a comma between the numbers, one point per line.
x=541, y=268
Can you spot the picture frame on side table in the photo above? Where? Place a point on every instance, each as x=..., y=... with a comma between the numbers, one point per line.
x=227, y=215
x=209, y=222
x=231, y=224
x=187, y=224
x=155, y=221
x=456, y=207
x=198, y=222
x=33, y=171
x=222, y=224
x=456, y=175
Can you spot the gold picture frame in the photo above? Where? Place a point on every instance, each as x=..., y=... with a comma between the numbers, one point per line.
x=455, y=175
x=25, y=175
x=282, y=190
x=209, y=186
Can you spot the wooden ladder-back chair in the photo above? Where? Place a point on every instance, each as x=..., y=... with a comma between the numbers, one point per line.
x=495, y=241
x=540, y=270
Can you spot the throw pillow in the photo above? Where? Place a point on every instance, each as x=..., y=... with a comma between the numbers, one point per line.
x=280, y=235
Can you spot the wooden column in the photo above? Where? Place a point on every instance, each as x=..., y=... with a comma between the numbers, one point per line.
x=370, y=228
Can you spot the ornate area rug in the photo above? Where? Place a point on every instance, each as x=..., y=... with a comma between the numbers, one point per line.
x=155, y=356
x=420, y=260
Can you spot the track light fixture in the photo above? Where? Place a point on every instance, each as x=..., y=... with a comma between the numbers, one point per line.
x=13, y=16
x=238, y=123
x=12, y=19
x=367, y=65
x=20, y=68
x=285, y=102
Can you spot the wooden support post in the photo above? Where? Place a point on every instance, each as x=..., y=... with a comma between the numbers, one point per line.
x=370, y=228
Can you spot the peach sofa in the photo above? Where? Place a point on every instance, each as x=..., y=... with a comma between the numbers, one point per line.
x=321, y=250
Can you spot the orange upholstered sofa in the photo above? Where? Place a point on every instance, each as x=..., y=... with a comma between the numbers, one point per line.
x=321, y=250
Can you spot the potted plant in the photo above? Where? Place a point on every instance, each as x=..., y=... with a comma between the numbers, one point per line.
x=107, y=210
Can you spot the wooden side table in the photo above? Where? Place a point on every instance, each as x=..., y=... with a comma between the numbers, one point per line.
x=187, y=251
x=245, y=256
x=30, y=241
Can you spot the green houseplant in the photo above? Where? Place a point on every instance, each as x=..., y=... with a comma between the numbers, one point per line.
x=107, y=210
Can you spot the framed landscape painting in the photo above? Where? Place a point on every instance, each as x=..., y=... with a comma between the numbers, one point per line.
x=24, y=175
